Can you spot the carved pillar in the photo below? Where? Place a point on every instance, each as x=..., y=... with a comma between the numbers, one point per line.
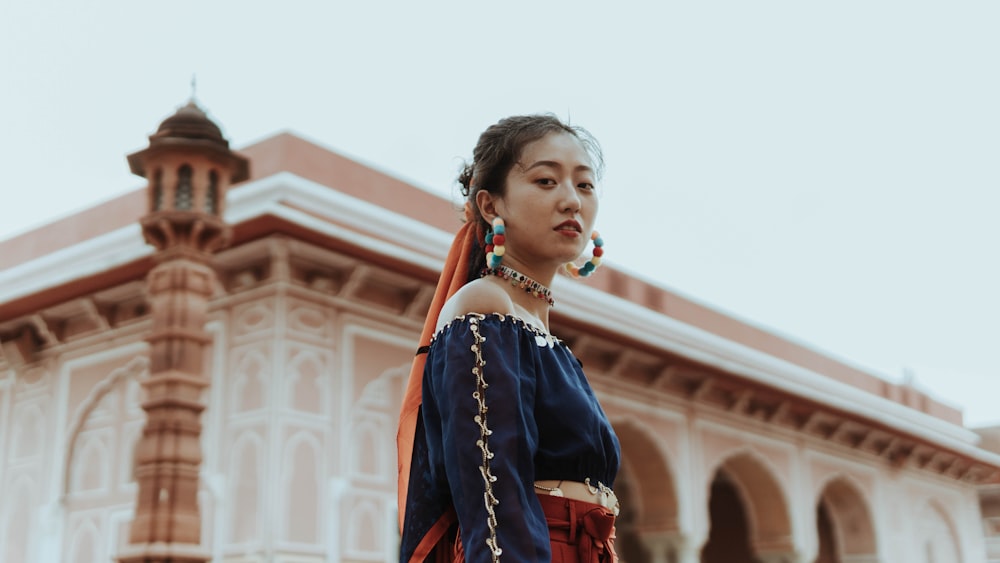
x=670, y=547
x=685, y=550
x=168, y=456
x=783, y=557
x=657, y=545
x=186, y=231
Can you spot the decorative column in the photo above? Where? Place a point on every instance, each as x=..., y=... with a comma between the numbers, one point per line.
x=658, y=545
x=674, y=546
x=789, y=557
x=189, y=167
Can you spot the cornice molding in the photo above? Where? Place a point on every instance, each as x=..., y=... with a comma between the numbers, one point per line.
x=83, y=259
x=327, y=211
x=638, y=323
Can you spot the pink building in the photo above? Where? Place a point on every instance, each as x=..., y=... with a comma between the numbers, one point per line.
x=738, y=445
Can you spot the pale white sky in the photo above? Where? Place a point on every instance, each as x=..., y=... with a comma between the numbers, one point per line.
x=830, y=171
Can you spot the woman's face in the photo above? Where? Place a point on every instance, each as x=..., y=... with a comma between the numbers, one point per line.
x=550, y=203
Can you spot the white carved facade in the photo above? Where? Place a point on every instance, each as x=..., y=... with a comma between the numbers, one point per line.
x=313, y=327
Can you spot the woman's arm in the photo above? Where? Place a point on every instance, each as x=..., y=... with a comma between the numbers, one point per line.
x=478, y=411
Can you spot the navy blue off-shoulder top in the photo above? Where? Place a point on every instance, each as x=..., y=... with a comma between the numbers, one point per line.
x=504, y=405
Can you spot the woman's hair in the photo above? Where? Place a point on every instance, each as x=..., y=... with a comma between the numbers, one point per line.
x=498, y=150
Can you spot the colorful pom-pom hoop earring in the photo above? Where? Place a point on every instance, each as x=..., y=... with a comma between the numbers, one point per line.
x=495, y=240
x=590, y=265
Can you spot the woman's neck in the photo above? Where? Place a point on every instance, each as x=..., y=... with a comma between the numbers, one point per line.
x=542, y=274
x=531, y=296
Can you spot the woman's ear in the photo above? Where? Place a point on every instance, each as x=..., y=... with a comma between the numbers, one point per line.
x=487, y=204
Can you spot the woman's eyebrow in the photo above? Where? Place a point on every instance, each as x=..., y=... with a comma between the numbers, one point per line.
x=556, y=164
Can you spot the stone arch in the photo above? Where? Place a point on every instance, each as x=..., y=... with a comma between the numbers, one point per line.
x=656, y=505
x=135, y=368
x=853, y=527
x=302, y=484
x=938, y=535
x=763, y=499
x=646, y=488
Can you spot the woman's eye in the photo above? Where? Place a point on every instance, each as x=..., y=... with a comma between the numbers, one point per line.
x=585, y=186
x=546, y=181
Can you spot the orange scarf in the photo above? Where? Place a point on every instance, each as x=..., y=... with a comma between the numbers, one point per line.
x=453, y=277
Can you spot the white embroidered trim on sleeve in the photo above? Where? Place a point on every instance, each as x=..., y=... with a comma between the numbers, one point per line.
x=479, y=395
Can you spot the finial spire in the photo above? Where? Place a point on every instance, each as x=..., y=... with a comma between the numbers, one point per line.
x=194, y=86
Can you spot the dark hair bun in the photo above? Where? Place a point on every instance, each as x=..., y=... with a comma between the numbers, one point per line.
x=465, y=179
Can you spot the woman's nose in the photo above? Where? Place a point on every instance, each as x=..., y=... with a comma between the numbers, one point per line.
x=571, y=199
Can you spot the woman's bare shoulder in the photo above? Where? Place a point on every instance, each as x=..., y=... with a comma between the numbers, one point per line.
x=478, y=296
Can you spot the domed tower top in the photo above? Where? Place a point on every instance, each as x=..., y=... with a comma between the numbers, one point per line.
x=190, y=122
x=189, y=130
x=189, y=168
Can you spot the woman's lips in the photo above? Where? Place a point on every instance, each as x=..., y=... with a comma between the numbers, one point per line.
x=568, y=227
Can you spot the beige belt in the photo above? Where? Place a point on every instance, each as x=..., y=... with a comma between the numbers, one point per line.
x=601, y=495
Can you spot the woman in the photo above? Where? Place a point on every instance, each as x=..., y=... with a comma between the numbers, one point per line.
x=504, y=452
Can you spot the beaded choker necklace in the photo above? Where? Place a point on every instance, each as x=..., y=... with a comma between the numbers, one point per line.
x=519, y=280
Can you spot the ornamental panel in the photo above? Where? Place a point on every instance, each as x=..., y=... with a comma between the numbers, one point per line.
x=246, y=479
x=251, y=378
x=309, y=319
x=308, y=381
x=369, y=458
x=18, y=516
x=28, y=432
x=90, y=467
x=85, y=543
x=365, y=530
x=936, y=535
x=302, y=487
x=253, y=318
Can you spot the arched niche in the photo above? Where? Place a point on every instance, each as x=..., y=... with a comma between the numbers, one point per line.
x=937, y=535
x=250, y=382
x=646, y=489
x=90, y=467
x=246, y=488
x=307, y=386
x=363, y=531
x=27, y=432
x=747, y=478
x=17, y=516
x=136, y=369
x=302, y=486
x=184, y=193
x=651, y=479
x=368, y=460
x=85, y=543
x=845, y=525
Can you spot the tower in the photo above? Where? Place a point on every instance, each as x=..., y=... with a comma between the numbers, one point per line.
x=189, y=167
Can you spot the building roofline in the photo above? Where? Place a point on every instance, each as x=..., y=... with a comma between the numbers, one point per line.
x=301, y=182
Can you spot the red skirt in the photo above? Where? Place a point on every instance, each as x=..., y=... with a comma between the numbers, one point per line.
x=579, y=532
